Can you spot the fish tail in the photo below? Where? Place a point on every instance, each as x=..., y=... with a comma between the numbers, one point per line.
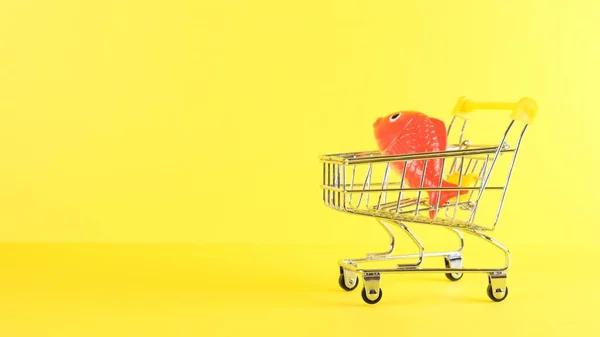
x=441, y=197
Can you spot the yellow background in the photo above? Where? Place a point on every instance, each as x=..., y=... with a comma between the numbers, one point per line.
x=202, y=122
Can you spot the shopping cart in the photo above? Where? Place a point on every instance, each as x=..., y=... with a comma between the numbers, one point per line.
x=364, y=183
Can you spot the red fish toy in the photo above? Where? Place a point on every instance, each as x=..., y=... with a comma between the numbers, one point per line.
x=414, y=132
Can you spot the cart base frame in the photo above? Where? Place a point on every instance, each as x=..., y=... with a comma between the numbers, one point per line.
x=350, y=270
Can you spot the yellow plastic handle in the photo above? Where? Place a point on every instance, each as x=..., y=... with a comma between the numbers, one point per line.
x=524, y=110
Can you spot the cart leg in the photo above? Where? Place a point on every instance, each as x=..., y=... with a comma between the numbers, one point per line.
x=455, y=259
x=419, y=245
x=496, y=244
x=460, y=238
x=497, y=289
x=392, y=241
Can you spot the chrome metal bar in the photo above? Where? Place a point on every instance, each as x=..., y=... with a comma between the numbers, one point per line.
x=411, y=189
x=425, y=155
x=384, y=185
x=460, y=237
x=324, y=182
x=419, y=220
x=392, y=205
x=392, y=242
x=383, y=257
x=437, y=202
x=347, y=154
x=344, y=192
x=337, y=184
x=510, y=171
x=369, y=177
x=414, y=216
x=450, y=126
x=469, y=164
x=460, y=174
x=462, y=131
x=401, y=188
x=344, y=157
x=421, y=185
x=351, y=263
x=495, y=243
x=474, y=166
x=481, y=175
x=462, y=144
x=386, y=182
x=419, y=245
x=328, y=184
x=352, y=183
x=391, y=184
x=355, y=269
x=487, y=176
x=364, y=186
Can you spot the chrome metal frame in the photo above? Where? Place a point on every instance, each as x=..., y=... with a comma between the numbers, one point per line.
x=389, y=203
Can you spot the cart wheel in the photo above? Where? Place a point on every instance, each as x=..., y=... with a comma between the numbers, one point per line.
x=454, y=276
x=497, y=289
x=348, y=280
x=453, y=261
x=343, y=284
x=497, y=296
x=371, y=300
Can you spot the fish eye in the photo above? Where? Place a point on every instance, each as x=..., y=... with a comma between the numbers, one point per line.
x=394, y=117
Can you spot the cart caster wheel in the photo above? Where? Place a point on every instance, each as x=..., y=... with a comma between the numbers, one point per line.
x=454, y=276
x=373, y=297
x=371, y=292
x=497, y=296
x=348, y=280
x=453, y=261
x=497, y=290
x=350, y=285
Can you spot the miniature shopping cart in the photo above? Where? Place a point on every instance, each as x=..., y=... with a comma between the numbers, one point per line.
x=364, y=183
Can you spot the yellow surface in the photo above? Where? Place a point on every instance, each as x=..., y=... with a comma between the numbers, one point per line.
x=277, y=290
x=202, y=122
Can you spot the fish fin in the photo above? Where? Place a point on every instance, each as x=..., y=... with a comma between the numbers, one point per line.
x=437, y=198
